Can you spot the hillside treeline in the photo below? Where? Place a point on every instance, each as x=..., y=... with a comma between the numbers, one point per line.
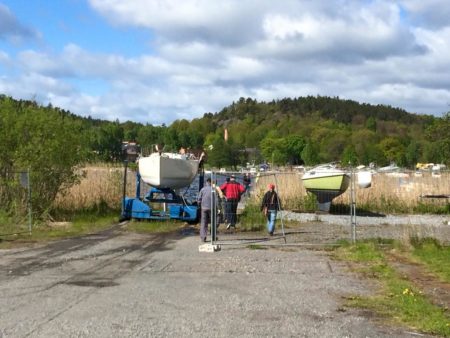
x=52, y=142
x=306, y=130
x=313, y=130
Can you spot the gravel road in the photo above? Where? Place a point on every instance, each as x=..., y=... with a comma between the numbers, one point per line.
x=327, y=228
x=121, y=284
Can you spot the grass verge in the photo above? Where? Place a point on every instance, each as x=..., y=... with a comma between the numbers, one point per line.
x=398, y=298
x=252, y=219
x=435, y=256
x=15, y=232
x=256, y=247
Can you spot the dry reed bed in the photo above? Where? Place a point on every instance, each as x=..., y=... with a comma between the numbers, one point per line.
x=99, y=184
x=402, y=190
x=405, y=191
x=105, y=184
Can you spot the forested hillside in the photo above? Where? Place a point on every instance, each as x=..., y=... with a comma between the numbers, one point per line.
x=52, y=143
x=306, y=130
x=323, y=129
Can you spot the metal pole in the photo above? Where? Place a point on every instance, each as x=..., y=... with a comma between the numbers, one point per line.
x=281, y=216
x=30, y=220
x=124, y=187
x=213, y=210
x=138, y=185
x=353, y=205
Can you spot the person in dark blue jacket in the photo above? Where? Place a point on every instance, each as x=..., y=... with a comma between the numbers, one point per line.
x=246, y=180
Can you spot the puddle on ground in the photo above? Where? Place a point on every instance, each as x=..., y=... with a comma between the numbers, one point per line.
x=188, y=232
x=99, y=283
x=95, y=237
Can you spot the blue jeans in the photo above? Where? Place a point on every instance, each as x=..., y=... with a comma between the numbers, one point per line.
x=271, y=218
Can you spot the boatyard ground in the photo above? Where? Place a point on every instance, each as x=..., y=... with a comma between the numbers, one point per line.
x=121, y=283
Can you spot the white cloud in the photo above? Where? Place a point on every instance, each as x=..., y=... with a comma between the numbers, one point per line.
x=228, y=22
x=430, y=13
x=238, y=68
x=33, y=86
x=194, y=53
x=43, y=63
x=411, y=97
x=11, y=29
x=4, y=58
x=207, y=54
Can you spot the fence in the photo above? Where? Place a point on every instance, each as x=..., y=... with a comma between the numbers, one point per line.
x=295, y=204
x=389, y=193
x=15, y=208
x=406, y=193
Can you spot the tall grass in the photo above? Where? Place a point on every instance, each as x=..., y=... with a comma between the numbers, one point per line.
x=11, y=223
x=101, y=186
x=13, y=195
x=104, y=184
x=390, y=194
x=387, y=194
x=290, y=190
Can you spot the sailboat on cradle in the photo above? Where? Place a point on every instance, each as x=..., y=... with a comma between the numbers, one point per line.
x=326, y=182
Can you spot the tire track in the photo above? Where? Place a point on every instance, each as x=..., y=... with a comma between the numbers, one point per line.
x=99, y=275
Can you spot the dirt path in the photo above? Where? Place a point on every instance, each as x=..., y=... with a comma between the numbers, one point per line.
x=131, y=285
x=438, y=292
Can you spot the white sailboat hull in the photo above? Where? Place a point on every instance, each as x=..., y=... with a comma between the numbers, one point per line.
x=168, y=170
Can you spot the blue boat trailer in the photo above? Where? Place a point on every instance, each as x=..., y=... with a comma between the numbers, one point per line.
x=174, y=206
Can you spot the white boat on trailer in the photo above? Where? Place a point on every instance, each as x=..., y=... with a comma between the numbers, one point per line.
x=326, y=182
x=169, y=170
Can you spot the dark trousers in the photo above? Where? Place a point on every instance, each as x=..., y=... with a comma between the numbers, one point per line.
x=230, y=211
x=220, y=212
x=204, y=221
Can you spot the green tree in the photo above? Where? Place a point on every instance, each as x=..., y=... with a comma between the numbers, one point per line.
x=371, y=124
x=48, y=143
x=131, y=130
x=148, y=136
x=108, y=141
x=433, y=152
x=412, y=154
x=365, y=145
x=310, y=153
x=294, y=147
x=438, y=133
x=349, y=156
x=171, y=139
x=393, y=150
x=274, y=150
x=217, y=150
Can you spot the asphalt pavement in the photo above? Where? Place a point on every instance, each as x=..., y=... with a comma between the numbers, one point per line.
x=121, y=284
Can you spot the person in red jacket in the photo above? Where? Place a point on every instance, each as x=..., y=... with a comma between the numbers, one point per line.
x=232, y=191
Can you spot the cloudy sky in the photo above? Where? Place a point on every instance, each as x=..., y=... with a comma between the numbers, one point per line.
x=154, y=61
